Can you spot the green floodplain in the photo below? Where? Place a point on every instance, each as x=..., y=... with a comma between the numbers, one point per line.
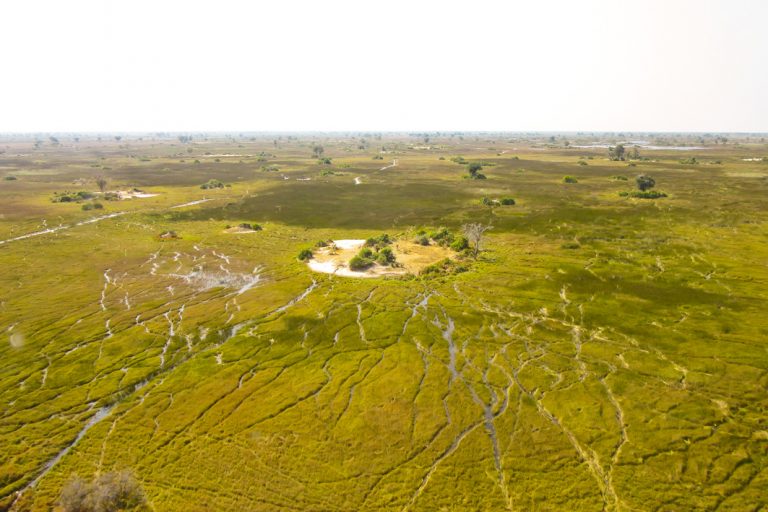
x=605, y=349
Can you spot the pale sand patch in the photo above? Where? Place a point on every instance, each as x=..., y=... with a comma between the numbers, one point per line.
x=130, y=194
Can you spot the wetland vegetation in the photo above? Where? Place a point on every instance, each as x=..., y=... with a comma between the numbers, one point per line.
x=602, y=347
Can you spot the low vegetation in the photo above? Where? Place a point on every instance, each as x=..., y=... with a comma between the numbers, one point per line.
x=600, y=353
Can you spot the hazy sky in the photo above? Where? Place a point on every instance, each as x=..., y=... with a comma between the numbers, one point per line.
x=150, y=65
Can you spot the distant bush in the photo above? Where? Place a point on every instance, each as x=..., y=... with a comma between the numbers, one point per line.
x=324, y=161
x=385, y=256
x=378, y=157
x=211, y=184
x=93, y=206
x=443, y=267
x=620, y=178
x=305, y=254
x=322, y=243
x=507, y=201
x=569, y=179
x=422, y=240
x=645, y=182
x=165, y=235
x=72, y=197
x=441, y=158
x=359, y=263
x=460, y=244
x=247, y=225
x=270, y=168
x=473, y=169
x=650, y=194
x=570, y=245
x=10, y=178
x=582, y=162
x=379, y=241
x=459, y=160
x=689, y=161
x=442, y=237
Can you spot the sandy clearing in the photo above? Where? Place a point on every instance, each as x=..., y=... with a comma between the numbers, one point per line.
x=130, y=194
x=411, y=258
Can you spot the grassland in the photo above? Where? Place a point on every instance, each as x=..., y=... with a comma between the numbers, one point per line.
x=603, y=352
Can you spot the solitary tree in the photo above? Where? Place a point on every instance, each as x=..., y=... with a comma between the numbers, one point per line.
x=616, y=153
x=101, y=182
x=317, y=151
x=475, y=233
x=645, y=182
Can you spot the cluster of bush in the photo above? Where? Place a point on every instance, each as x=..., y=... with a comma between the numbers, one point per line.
x=324, y=161
x=644, y=185
x=689, y=161
x=370, y=255
x=378, y=157
x=270, y=168
x=72, y=197
x=443, y=267
x=444, y=238
x=211, y=184
x=504, y=201
x=570, y=179
x=305, y=254
x=473, y=169
x=647, y=194
x=93, y=206
x=10, y=178
x=376, y=250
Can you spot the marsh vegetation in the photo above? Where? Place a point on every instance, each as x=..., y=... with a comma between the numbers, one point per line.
x=592, y=351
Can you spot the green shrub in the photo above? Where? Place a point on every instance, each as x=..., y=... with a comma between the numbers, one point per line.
x=442, y=236
x=443, y=267
x=620, y=178
x=582, y=162
x=507, y=201
x=385, y=256
x=570, y=245
x=305, y=254
x=460, y=244
x=211, y=184
x=648, y=194
x=422, y=240
x=10, y=178
x=359, y=263
x=569, y=179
